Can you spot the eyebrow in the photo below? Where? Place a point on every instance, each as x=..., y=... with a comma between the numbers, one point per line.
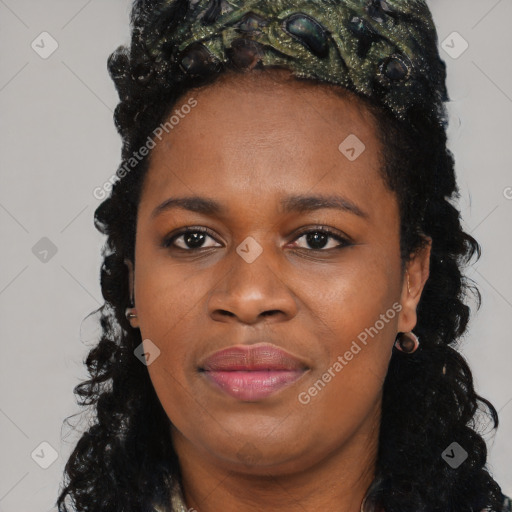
x=290, y=204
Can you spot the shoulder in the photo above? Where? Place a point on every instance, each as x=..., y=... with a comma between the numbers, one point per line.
x=507, y=504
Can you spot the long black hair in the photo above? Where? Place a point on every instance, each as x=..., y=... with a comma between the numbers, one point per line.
x=124, y=461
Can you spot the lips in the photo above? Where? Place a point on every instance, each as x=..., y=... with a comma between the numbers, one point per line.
x=261, y=356
x=252, y=372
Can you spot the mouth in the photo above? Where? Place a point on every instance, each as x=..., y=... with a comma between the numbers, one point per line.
x=252, y=385
x=252, y=372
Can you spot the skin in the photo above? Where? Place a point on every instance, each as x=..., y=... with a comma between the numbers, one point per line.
x=250, y=141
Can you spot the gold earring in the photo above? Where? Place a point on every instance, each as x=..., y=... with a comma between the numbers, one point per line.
x=408, y=286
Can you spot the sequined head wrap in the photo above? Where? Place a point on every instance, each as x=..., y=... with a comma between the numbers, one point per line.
x=384, y=49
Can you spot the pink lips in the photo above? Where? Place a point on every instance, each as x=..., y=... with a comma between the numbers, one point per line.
x=252, y=372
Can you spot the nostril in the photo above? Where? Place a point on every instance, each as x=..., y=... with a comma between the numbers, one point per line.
x=226, y=313
x=268, y=313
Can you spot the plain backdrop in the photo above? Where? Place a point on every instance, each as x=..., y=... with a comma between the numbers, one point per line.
x=58, y=142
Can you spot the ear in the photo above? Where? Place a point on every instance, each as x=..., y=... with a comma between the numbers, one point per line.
x=418, y=269
x=134, y=322
x=131, y=274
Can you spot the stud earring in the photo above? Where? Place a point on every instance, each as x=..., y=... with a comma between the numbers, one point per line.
x=407, y=342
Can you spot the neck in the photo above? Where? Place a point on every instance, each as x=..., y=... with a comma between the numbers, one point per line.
x=338, y=480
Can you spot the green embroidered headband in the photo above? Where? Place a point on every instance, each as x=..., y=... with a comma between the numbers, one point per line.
x=384, y=49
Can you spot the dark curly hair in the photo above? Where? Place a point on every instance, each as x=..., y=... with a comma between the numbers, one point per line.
x=125, y=461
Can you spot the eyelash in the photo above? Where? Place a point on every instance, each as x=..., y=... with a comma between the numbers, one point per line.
x=344, y=242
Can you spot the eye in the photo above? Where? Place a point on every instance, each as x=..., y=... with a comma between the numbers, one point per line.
x=318, y=238
x=193, y=239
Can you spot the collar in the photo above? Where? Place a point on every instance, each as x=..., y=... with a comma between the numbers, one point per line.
x=179, y=505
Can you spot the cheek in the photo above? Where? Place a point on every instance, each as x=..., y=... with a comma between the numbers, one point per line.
x=170, y=304
x=354, y=336
x=350, y=299
x=167, y=296
x=171, y=310
x=354, y=318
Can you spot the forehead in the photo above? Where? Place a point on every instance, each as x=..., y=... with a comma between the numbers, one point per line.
x=266, y=133
x=272, y=100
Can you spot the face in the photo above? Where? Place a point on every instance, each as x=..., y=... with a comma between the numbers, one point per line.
x=319, y=278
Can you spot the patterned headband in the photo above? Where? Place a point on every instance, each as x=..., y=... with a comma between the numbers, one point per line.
x=385, y=49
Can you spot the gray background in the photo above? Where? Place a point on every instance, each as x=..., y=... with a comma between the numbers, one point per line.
x=58, y=142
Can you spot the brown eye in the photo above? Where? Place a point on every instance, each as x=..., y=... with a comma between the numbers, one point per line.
x=317, y=239
x=192, y=239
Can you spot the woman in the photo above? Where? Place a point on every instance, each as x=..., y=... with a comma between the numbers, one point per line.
x=283, y=271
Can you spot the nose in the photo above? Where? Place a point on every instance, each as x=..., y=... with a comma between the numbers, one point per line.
x=252, y=292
